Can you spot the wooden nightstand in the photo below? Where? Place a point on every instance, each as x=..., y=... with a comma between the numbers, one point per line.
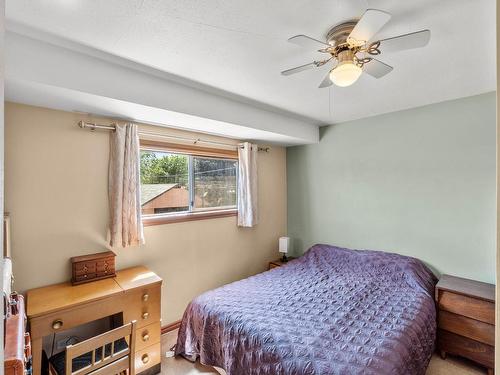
x=466, y=319
x=278, y=263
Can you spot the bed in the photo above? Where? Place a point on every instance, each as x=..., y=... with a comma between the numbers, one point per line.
x=331, y=311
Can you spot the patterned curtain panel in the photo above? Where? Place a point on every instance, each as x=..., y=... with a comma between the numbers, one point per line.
x=124, y=188
x=247, y=185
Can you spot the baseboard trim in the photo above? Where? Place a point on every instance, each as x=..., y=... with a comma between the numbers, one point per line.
x=170, y=327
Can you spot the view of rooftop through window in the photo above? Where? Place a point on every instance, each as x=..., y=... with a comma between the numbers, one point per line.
x=168, y=178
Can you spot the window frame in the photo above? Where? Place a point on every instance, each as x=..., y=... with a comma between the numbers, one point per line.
x=191, y=151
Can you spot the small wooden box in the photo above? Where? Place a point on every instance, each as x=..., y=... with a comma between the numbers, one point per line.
x=91, y=267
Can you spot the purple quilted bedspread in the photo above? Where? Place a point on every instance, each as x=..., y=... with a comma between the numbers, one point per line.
x=332, y=311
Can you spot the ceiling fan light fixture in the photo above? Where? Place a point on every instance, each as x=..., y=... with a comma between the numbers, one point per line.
x=351, y=44
x=345, y=74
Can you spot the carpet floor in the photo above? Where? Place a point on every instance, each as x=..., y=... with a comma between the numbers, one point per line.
x=181, y=366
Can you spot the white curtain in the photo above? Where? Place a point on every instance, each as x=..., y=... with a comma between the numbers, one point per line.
x=247, y=185
x=124, y=188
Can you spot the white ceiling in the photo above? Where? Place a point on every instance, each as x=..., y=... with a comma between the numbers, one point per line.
x=240, y=46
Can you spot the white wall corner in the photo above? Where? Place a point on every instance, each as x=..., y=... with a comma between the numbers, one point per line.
x=39, y=72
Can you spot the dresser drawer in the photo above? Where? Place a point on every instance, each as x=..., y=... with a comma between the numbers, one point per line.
x=147, y=335
x=85, y=277
x=147, y=357
x=461, y=325
x=143, y=305
x=74, y=316
x=105, y=266
x=471, y=307
x=82, y=269
x=465, y=347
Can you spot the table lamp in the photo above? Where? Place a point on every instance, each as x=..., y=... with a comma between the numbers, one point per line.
x=284, y=244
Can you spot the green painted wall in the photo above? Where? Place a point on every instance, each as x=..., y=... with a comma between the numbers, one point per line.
x=419, y=182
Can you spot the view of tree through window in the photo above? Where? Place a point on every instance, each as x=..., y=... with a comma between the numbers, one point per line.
x=214, y=182
x=165, y=182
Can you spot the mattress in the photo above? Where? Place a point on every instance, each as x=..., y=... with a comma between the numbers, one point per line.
x=331, y=311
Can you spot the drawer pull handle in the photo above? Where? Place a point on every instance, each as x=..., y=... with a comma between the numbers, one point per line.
x=145, y=358
x=57, y=324
x=145, y=297
x=145, y=315
x=145, y=336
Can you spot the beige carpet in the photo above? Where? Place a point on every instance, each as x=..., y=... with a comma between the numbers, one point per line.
x=180, y=366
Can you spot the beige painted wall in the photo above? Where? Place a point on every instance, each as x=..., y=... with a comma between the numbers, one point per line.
x=56, y=192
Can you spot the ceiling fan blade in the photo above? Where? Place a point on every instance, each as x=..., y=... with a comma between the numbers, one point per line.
x=307, y=42
x=298, y=69
x=326, y=81
x=417, y=39
x=369, y=24
x=377, y=68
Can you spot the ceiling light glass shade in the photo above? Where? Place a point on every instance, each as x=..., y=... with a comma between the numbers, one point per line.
x=345, y=74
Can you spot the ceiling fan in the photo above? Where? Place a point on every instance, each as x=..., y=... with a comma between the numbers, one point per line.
x=350, y=46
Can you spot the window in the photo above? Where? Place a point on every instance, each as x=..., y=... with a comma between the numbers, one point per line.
x=178, y=186
x=214, y=182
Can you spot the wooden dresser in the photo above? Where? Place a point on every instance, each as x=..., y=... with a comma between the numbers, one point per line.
x=466, y=319
x=135, y=293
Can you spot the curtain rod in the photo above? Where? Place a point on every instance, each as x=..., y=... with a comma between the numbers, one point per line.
x=92, y=126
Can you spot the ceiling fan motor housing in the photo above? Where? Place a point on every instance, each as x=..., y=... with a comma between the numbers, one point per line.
x=338, y=34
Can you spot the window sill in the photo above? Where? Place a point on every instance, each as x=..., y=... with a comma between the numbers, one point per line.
x=188, y=216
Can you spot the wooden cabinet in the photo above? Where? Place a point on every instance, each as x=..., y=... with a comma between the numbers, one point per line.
x=466, y=319
x=278, y=263
x=133, y=292
x=142, y=302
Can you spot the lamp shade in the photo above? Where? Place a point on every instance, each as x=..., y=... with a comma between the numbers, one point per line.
x=345, y=74
x=284, y=244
